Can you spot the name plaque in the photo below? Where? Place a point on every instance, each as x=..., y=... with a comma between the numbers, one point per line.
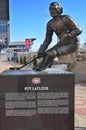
x=36, y=101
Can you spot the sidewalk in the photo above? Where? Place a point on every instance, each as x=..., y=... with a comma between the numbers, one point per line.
x=80, y=96
x=7, y=65
x=80, y=105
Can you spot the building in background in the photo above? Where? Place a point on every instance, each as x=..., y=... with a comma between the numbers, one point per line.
x=16, y=49
x=4, y=24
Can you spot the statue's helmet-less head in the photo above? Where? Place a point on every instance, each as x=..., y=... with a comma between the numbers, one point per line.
x=55, y=9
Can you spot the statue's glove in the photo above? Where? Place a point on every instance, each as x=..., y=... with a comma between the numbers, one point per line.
x=40, y=54
x=41, y=51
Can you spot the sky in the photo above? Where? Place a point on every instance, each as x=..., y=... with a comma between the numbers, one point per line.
x=28, y=19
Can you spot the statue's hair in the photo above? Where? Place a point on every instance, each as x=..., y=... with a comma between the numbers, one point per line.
x=56, y=3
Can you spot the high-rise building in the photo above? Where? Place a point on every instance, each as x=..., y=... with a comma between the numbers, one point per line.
x=4, y=23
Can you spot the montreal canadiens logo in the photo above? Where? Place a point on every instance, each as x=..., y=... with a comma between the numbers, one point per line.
x=36, y=80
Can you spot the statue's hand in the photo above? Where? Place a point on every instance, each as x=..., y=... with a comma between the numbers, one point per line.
x=40, y=54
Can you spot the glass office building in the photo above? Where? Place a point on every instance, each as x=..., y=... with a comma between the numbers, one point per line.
x=4, y=23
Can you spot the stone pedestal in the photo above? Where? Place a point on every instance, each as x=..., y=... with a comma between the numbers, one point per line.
x=32, y=100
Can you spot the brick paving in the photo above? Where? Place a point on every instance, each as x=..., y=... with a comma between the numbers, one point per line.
x=80, y=97
x=7, y=65
x=80, y=105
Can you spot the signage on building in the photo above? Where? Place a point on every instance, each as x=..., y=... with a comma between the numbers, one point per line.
x=28, y=42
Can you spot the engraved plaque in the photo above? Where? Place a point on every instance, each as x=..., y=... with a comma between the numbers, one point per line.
x=36, y=101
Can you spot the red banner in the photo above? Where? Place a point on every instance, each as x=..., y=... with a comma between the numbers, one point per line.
x=27, y=42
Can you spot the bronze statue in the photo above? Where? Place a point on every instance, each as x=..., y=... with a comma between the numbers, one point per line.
x=66, y=30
